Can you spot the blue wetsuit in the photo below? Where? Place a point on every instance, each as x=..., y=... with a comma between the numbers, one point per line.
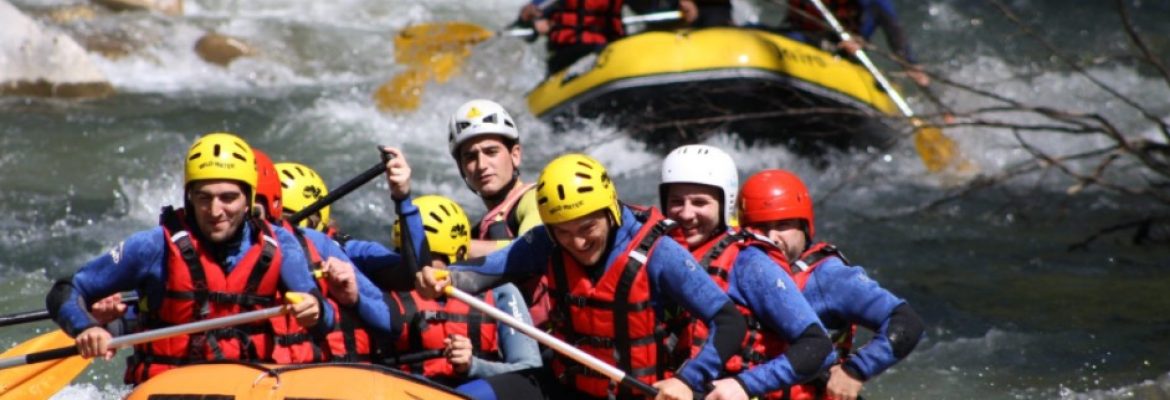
x=873, y=14
x=675, y=279
x=757, y=283
x=137, y=264
x=842, y=295
x=370, y=305
x=385, y=267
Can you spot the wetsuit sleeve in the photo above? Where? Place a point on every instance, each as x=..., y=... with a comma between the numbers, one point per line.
x=760, y=285
x=517, y=350
x=381, y=265
x=370, y=306
x=526, y=213
x=294, y=274
x=524, y=258
x=861, y=300
x=675, y=274
x=134, y=263
x=880, y=13
x=414, y=242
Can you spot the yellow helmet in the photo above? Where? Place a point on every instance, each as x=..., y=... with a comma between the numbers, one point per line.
x=447, y=227
x=221, y=156
x=573, y=186
x=300, y=187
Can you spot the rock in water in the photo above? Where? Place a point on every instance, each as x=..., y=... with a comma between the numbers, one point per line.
x=35, y=62
x=219, y=49
x=169, y=7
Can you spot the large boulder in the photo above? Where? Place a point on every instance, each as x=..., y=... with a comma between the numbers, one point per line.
x=36, y=62
x=221, y=49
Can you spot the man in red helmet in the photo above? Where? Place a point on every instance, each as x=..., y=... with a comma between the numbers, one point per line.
x=775, y=203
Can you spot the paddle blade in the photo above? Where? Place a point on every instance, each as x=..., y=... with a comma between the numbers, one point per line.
x=416, y=44
x=402, y=93
x=40, y=380
x=936, y=150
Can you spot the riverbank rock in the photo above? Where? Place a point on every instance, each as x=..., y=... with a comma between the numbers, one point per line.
x=169, y=7
x=221, y=49
x=37, y=62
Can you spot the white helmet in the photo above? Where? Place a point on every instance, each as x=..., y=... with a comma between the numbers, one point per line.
x=479, y=117
x=704, y=165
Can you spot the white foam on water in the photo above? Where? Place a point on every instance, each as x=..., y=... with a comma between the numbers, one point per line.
x=89, y=391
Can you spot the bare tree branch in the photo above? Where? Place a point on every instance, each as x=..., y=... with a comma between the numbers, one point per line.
x=1130, y=30
x=1007, y=12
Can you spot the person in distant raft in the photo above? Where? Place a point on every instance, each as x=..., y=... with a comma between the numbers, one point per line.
x=359, y=307
x=211, y=258
x=575, y=28
x=474, y=346
x=859, y=17
x=485, y=143
x=785, y=344
x=611, y=277
x=776, y=203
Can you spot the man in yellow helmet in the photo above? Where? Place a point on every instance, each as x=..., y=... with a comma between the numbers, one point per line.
x=472, y=344
x=209, y=259
x=611, y=277
x=362, y=314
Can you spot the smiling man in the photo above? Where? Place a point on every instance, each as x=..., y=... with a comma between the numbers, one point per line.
x=212, y=258
x=611, y=280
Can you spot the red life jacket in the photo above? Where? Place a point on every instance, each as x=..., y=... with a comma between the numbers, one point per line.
x=197, y=289
x=803, y=15
x=612, y=319
x=427, y=322
x=497, y=225
x=595, y=22
x=347, y=342
x=760, y=344
x=812, y=258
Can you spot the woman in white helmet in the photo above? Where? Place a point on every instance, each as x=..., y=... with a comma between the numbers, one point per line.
x=485, y=144
x=785, y=342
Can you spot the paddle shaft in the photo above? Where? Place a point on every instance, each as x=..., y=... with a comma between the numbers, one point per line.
x=30, y=316
x=611, y=372
x=342, y=190
x=636, y=19
x=861, y=56
x=143, y=337
x=411, y=358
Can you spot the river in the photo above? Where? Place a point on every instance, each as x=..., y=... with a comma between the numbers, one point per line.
x=1011, y=312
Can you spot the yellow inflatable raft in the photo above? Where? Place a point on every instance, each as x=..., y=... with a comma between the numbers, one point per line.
x=240, y=381
x=755, y=83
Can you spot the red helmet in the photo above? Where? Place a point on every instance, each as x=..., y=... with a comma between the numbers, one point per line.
x=775, y=195
x=268, y=186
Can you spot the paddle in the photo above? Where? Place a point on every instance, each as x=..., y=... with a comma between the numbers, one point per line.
x=411, y=358
x=434, y=51
x=147, y=336
x=613, y=373
x=936, y=150
x=31, y=316
x=344, y=189
x=39, y=381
